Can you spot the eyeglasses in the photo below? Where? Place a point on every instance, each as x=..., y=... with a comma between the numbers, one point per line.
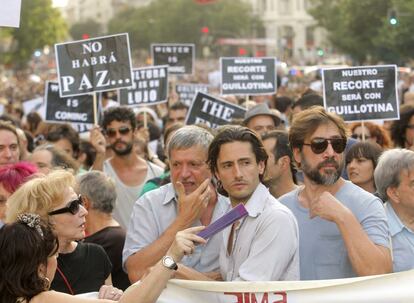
x=72, y=207
x=410, y=126
x=319, y=145
x=359, y=137
x=111, y=132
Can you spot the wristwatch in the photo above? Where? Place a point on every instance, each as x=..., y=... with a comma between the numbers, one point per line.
x=169, y=262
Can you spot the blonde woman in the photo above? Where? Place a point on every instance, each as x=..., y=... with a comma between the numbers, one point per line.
x=81, y=267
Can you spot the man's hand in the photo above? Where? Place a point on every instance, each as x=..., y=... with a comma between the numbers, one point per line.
x=327, y=207
x=97, y=140
x=191, y=206
x=185, y=242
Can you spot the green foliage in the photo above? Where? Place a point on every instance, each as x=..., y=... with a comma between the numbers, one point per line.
x=40, y=25
x=89, y=27
x=361, y=28
x=180, y=21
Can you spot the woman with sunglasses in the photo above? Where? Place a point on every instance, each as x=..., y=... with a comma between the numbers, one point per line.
x=82, y=267
x=28, y=265
x=372, y=132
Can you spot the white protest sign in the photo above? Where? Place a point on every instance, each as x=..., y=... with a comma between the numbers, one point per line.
x=391, y=288
x=10, y=13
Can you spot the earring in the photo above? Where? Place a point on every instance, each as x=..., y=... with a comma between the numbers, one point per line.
x=46, y=281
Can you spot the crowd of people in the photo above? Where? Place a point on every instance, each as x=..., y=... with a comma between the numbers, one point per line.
x=325, y=199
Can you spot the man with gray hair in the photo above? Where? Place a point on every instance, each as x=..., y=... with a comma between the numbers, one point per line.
x=189, y=200
x=394, y=179
x=99, y=195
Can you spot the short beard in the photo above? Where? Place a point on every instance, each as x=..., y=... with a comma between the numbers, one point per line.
x=123, y=152
x=322, y=179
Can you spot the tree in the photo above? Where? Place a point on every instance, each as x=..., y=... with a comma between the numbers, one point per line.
x=40, y=25
x=353, y=25
x=89, y=27
x=181, y=21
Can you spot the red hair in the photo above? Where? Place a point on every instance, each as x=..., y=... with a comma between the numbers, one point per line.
x=14, y=175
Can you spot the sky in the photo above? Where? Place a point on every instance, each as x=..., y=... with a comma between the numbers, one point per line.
x=59, y=2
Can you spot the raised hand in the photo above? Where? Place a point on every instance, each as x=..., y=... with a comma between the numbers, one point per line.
x=97, y=140
x=327, y=207
x=185, y=242
x=191, y=206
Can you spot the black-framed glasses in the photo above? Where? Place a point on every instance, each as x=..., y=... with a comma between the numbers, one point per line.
x=360, y=137
x=410, y=126
x=124, y=130
x=72, y=207
x=319, y=145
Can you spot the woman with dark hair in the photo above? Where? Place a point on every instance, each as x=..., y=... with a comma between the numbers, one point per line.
x=11, y=177
x=28, y=263
x=361, y=160
x=402, y=131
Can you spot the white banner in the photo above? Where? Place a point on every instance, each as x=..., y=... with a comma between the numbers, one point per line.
x=391, y=288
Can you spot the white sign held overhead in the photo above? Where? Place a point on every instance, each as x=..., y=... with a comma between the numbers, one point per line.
x=10, y=13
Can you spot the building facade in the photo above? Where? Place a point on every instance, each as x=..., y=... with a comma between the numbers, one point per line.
x=293, y=31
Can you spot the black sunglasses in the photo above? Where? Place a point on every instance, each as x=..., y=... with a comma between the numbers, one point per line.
x=319, y=145
x=111, y=132
x=72, y=207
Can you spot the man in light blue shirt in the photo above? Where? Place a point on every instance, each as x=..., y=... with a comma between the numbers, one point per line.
x=189, y=200
x=394, y=179
x=343, y=229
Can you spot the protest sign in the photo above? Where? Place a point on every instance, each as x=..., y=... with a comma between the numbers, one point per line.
x=93, y=65
x=248, y=76
x=187, y=92
x=10, y=13
x=362, y=93
x=179, y=57
x=213, y=111
x=67, y=110
x=150, y=86
x=396, y=287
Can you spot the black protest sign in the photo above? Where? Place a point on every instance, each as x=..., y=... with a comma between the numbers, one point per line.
x=82, y=128
x=186, y=92
x=362, y=93
x=93, y=65
x=248, y=76
x=67, y=110
x=150, y=86
x=179, y=57
x=213, y=111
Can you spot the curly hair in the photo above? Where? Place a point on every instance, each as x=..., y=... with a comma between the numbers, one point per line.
x=23, y=250
x=121, y=114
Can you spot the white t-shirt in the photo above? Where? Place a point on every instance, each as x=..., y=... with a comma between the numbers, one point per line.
x=127, y=195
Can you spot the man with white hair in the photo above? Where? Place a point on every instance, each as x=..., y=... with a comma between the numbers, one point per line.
x=394, y=179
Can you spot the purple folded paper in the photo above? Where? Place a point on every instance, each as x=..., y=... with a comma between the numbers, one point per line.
x=229, y=218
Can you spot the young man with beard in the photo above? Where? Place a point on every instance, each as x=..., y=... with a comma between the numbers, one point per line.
x=126, y=168
x=343, y=229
